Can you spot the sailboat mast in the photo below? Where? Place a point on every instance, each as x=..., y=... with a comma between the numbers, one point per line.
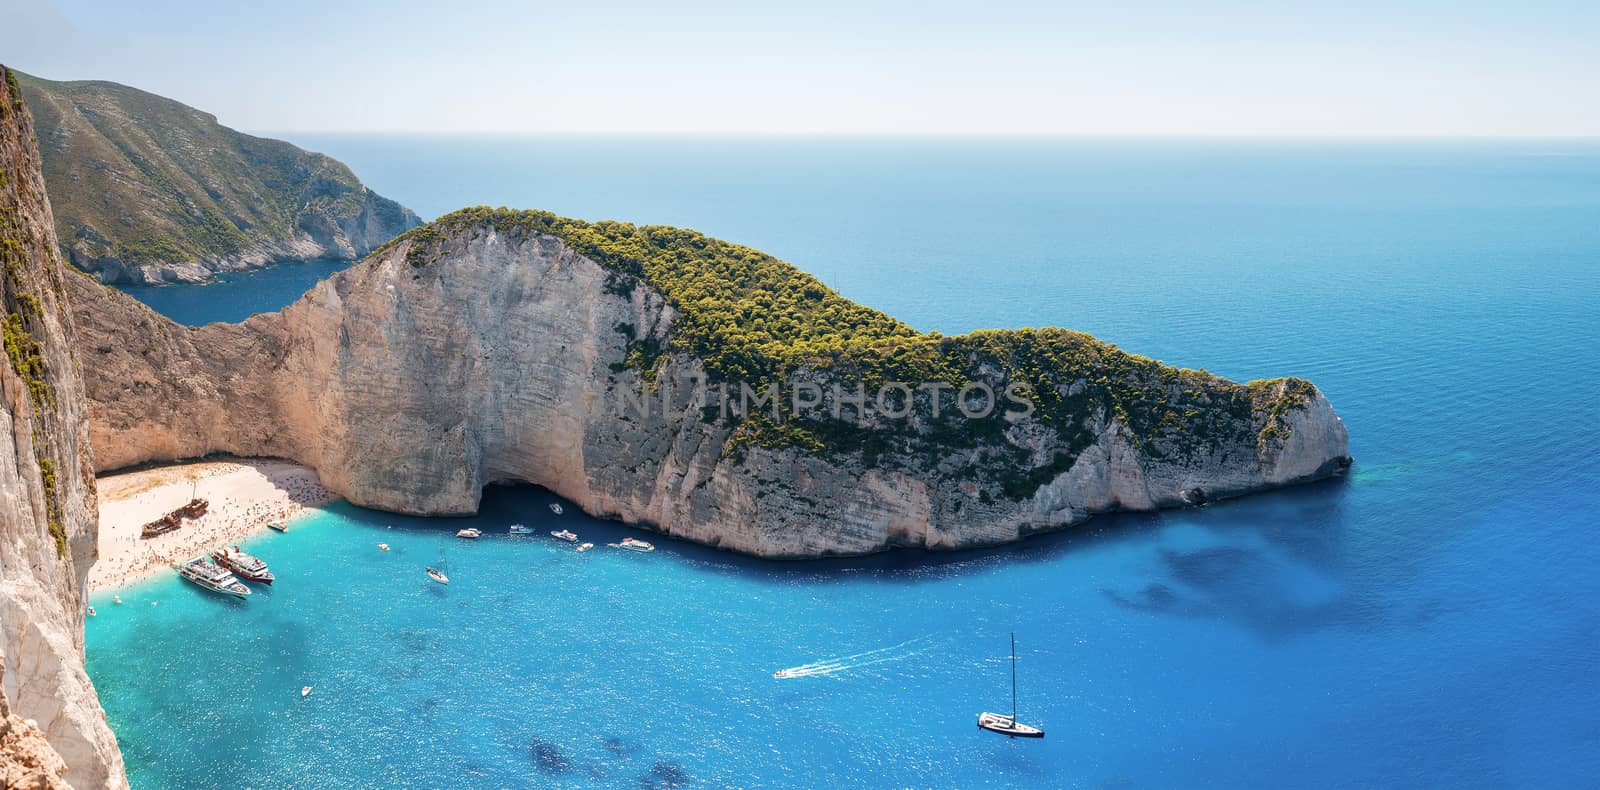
x=1013, y=676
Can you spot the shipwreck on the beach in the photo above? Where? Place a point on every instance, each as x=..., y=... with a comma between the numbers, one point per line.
x=174, y=519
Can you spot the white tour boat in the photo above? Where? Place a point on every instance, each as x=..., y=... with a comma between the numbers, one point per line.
x=213, y=577
x=632, y=544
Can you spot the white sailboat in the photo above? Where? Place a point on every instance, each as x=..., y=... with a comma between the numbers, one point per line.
x=1008, y=725
x=436, y=573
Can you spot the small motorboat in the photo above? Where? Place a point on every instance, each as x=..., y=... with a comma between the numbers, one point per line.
x=383, y=547
x=555, y=507
x=91, y=611
x=586, y=547
x=520, y=529
x=278, y=526
x=305, y=691
x=784, y=673
x=116, y=599
x=470, y=532
x=438, y=576
x=564, y=534
x=632, y=544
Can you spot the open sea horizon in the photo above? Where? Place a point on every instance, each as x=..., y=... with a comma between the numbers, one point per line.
x=1431, y=620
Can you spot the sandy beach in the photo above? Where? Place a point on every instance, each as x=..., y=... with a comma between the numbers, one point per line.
x=244, y=495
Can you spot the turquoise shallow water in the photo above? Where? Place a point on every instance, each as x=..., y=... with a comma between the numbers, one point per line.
x=1432, y=621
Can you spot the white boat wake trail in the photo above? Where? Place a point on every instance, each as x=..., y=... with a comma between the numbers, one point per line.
x=833, y=666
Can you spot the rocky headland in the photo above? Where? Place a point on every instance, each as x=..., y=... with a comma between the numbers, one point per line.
x=148, y=190
x=605, y=362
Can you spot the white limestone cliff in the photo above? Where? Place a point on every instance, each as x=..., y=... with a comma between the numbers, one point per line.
x=47, y=498
x=410, y=388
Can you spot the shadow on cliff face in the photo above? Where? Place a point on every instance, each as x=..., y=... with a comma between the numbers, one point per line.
x=1274, y=562
x=1306, y=522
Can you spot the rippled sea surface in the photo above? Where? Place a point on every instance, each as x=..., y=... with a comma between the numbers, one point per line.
x=235, y=296
x=1432, y=621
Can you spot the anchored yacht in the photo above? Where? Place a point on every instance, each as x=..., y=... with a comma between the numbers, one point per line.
x=1008, y=725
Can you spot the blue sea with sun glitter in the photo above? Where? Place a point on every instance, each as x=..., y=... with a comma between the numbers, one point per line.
x=1433, y=620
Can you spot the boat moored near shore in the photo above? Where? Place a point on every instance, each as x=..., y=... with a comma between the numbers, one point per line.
x=632, y=544
x=246, y=566
x=212, y=577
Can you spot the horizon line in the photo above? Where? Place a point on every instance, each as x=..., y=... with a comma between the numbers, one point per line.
x=1155, y=136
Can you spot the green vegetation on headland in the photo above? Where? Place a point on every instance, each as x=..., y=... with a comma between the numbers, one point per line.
x=136, y=179
x=757, y=320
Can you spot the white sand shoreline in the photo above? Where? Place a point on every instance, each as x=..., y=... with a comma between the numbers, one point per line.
x=244, y=496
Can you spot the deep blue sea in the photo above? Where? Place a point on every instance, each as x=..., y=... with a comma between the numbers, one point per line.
x=1433, y=621
x=235, y=296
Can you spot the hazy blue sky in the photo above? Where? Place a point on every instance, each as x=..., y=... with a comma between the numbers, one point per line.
x=1356, y=67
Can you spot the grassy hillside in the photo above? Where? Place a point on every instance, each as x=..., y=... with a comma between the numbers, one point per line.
x=144, y=180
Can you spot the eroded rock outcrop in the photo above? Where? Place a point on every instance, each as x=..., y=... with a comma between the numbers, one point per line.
x=495, y=345
x=148, y=190
x=27, y=760
x=47, y=499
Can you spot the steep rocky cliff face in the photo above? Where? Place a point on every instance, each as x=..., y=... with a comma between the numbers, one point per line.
x=148, y=190
x=27, y=760
x=47, y=499
x=497, y=346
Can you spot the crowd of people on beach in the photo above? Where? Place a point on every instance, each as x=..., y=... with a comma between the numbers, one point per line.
x=125, y=558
